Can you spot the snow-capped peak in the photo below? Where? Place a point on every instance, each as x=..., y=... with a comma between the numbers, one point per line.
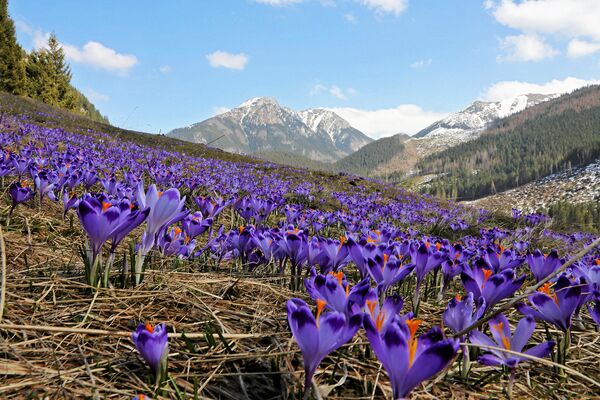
x=258, y=101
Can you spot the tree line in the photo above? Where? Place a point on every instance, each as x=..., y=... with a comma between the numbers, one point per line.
x=547, y=140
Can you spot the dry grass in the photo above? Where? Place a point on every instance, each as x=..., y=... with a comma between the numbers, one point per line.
x=229, y=338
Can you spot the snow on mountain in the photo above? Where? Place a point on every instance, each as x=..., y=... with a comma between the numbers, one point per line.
x=341, y=133
x=577, y=185
x=261, y=125
x=467, y=124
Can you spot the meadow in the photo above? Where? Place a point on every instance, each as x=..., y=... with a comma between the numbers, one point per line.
x=137, y=265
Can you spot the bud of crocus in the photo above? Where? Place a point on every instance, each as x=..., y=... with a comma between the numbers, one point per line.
x=152, y=344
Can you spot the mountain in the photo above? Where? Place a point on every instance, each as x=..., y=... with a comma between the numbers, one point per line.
x=261, y=125
x=541, y=140
x=327, y=123
x=467, y=124
x=373, y=158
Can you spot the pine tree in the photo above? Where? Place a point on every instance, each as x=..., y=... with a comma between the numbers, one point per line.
x=12, y=56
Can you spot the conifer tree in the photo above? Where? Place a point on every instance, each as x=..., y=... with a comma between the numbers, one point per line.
x=12, y=56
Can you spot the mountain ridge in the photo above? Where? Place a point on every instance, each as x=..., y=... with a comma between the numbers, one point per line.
x=262, y=125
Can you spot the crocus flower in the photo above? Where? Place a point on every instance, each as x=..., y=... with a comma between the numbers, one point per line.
x=554, y=303
x=319, y=335
x=336, y=291
x=501, y=260
x=408, y=359
x=153, y=345
x=387, y=270
x=463, y=312
x=381, y=316
x=500, y=329
x=20, y=192
x=195, y=224
x=492, y=287
x=425, y=259
x=333, y=255
x=542, y=265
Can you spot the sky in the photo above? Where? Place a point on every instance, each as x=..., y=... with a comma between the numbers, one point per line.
x=387, y=66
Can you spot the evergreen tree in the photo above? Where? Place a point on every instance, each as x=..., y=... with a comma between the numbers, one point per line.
x=12, y=60
x=50, y=76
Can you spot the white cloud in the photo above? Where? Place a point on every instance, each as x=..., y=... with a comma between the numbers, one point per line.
x=39, y=38
x=350, y=18
x=525, y=47
x=278, y=2
x=506, y=89
x=333, y=90
x=92, y=53
x=406, y=118
x=99, y=56
x=581, y=48
x=386, y=6
x=421, y=63
x=220, y=110
x=165, y=69
x=570, y=18
x=227, y=60
x=95, y=96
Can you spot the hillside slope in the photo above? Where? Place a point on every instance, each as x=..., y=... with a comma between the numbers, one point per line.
x=544, y=139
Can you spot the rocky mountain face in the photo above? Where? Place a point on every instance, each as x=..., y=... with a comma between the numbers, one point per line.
x=261, y=125
x=467, y=124
x=327, y=123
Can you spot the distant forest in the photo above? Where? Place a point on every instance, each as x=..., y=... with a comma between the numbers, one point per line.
x=542, y=140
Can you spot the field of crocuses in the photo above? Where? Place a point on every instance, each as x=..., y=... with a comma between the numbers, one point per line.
x=133, y=270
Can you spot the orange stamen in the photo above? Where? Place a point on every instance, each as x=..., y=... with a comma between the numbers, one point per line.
x=458, y=297
x=379, y=321
x=338, y=275
x=320, y=306
x=177, y=230
x=386, y=257
x=242, y=228
x=597, y=261
x=546, y=289
x=502, y=249
x=105, y=206
x=505, y=341
x=149, y=327
x=160, y=194
x=438, y=246
x=24, y=183
x=371, y=306
x=413, y=325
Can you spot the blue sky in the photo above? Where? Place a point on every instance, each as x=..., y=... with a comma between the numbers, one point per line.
x=387, y=66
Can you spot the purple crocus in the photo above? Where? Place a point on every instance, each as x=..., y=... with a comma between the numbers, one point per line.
x=542, y=265
x=19, y=192
x=554, y=303
x=387, y=270
x=335, y=290
x=381, y=316
x=153, y=345
x=408, y=359
x=462, y=312
x=501, y=260
x=502, y=338
x=195, y=224
x=492, y=287
x=319, y=335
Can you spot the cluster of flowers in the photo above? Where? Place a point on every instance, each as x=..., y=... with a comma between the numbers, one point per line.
x=488, y=275
x=43, y=163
